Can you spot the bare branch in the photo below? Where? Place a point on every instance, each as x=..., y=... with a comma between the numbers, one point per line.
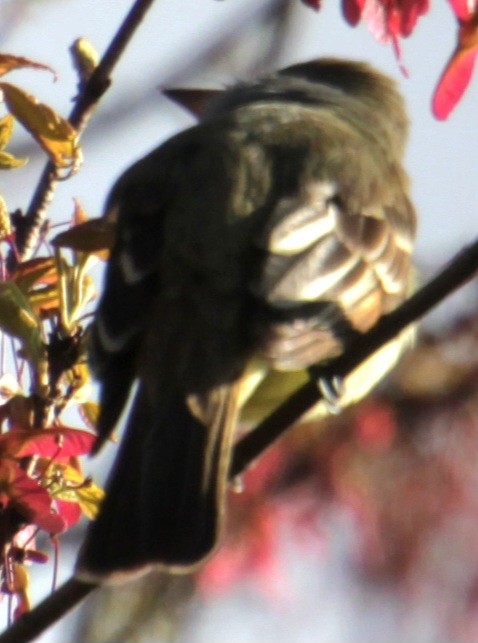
x=49, y=611
x=28, y=227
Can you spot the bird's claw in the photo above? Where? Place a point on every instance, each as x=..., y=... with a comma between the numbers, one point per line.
x=332, y=389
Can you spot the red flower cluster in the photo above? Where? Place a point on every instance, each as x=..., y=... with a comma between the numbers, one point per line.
x=391, y=20
x=401, y=465
x=388, y=20
x=41, y=488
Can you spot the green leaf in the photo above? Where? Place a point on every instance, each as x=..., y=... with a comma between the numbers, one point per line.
x=17, y=319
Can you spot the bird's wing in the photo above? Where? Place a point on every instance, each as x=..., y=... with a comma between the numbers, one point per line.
x=172, y=308
x=330, y=270
x=130, y=284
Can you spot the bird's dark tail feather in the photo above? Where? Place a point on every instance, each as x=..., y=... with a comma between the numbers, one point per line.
x=165, y=494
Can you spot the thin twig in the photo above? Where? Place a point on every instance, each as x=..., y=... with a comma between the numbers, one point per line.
x=454, y=275
x=28, y=226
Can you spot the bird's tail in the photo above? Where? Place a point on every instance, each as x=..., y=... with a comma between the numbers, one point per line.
x=165, y=495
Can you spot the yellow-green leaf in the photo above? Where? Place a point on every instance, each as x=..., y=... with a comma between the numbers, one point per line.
x=90, y=498
x=44, y=300
x=8, y=62
x=18, y=320
x=90, y=412
x=55, y=134
x=10, y=162
x=6, y=130
x=5, y=222
x=74, y=487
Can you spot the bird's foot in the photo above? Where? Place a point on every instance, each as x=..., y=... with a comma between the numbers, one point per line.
x=331, y=388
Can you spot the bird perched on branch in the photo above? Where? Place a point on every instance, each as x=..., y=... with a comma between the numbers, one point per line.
x=259, y=241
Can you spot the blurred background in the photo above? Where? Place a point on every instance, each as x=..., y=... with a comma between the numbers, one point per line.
x=361, y=530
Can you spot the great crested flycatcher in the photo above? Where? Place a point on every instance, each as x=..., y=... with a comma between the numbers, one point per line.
x=255, y=242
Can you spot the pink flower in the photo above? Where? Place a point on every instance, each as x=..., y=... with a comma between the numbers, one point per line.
x=459, y=69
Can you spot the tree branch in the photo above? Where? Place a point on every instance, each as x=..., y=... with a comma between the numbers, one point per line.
x=454, y=275
x=49, y=611
x=28, y=226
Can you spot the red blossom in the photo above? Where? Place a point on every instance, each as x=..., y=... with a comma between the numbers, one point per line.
x=252, y=554
x=32, y=501
x=459, y=69
x=375, y=426
x=253, y=549
x=387, y=19
x=390, y=20
x=463, y=9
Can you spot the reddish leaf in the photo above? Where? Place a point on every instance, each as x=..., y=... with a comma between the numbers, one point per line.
x=352, y=10
x=69, y=511
x=457, y=73
x=388, y=20
x=60, y=441
x=29, y=498
x=463, y=9
x=379, y=21
x=409, y=13
x=34, y=271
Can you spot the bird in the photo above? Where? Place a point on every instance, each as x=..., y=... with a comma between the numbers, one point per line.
x=254, y=243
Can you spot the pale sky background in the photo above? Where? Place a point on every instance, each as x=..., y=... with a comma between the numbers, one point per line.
x=441, y=160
